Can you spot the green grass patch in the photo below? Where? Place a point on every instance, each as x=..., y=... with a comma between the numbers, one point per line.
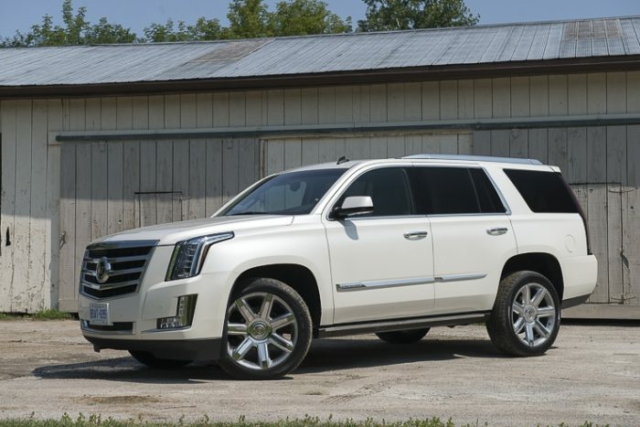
x=98, y=421
x=39, y=315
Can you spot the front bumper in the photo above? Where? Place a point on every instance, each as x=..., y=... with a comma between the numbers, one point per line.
x=132, y=319
x=202, y=349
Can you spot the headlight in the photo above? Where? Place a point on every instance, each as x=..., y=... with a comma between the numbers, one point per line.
x=189, y=255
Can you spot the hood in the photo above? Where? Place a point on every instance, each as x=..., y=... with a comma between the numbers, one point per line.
x=173, y=232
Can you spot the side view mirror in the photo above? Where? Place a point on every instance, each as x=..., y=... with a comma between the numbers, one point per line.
x=354, y=205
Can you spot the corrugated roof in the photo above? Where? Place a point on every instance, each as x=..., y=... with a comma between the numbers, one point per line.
x=291, y=56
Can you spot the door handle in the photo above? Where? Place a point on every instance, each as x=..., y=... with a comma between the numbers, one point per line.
x=499, y=231
x=416, y=235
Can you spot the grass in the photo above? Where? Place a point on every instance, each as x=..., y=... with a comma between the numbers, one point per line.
x=39, y=315
x=98, y=421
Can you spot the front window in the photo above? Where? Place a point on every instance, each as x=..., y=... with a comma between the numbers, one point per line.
x=293, y=193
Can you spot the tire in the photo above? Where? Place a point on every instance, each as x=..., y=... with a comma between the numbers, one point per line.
x=268, y=331
x=153, y=362
x=403, y=337
x=526, y=315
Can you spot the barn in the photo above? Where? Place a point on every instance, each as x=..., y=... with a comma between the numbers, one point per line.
x=100, y=139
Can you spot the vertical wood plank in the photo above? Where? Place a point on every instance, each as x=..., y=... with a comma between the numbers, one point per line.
x=558, y=148
x=558, y=96
x=362, y=104
x=576, y=172
x=213, y=176
x=221, y=110
x=597, y=93
x=310, y=152
x=52, y=234
x=248, y=158
x=230, y=167
x=412, y=102
x=631, y=220
x=196, y=207
x=483, y=98
x=539, y=96
x=597, y=208
x=237, y=109
x=519, y=143
x=616, y=186
x=500, y=143
x=327, y=105
x=520, y=102
x=395, y=146
x=378, y=103
x=501, y=97
x=9, y=120
x=204, y=110
x=292, y=107
x=395, y=102
x=275, y=112
x=449, y=100
x=309, y=106
x=292, y=153
x=465, y=144
x=633, y=92
x=431, y=101
x=254, y=108
x=344, y=104
x=538, y=145
x=378, y=147
x=617, y=93
x=482, y=143
x=577, y=93
x=465, y=99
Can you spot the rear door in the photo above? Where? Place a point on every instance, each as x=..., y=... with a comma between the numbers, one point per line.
x=471, y=233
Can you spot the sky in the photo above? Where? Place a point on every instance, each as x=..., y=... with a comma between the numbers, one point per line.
x=138, y=14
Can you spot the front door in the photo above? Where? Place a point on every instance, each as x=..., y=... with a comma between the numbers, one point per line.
x=381, y=263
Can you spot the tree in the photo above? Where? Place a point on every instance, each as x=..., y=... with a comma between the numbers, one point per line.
x=204, y=29
x=248, y=19
x=389, y=15
x=302, y=17
x=76, y=31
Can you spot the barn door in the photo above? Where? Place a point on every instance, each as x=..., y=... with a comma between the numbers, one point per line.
x=114, y=186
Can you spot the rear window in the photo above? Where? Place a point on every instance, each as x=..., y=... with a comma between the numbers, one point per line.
x=544, y=192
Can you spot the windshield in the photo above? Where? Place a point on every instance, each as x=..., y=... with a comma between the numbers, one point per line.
x=293, y=193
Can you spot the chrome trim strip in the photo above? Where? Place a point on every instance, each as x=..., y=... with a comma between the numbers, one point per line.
x=464, y=157
x=116, y=260
x=382, y=284
x=460, y=277
x=84, y=326
x=100, y=287
x=128, y=244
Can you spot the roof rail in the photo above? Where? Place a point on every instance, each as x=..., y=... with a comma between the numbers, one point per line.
x=475, y=158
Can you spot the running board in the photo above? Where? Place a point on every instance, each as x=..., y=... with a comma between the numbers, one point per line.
x=402, y=324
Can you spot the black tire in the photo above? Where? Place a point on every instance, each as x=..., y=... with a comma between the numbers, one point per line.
x=153, y=362
x=403, y=337
x=526, y=315
x=268, y=331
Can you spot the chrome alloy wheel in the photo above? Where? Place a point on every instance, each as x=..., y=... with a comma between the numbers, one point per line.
x=533, y=314
x=262, y=331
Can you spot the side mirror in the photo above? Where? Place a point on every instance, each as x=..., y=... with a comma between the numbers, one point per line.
x=354, y=205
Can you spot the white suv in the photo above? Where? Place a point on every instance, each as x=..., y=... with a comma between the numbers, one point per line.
x=391, y=247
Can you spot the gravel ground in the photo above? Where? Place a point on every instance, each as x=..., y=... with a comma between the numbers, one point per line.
x=591, y=374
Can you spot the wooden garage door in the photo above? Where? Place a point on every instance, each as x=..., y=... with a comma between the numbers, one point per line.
x=282, y=154
x=114, y=186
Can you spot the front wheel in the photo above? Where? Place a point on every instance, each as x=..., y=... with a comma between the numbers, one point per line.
x=526, y=315
x=268, y=331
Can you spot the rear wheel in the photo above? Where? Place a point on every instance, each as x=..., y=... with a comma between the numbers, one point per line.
x=154, y=362
x=403, y=337
x=526, y=315
x=268, y=331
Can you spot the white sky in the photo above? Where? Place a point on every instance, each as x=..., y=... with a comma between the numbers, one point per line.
x=137, y=14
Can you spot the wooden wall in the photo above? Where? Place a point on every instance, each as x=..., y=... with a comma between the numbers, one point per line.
x=599, y=162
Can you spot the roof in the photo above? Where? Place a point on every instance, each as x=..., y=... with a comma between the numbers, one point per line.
x=524, y=44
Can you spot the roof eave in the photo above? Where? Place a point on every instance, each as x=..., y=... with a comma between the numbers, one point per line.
x=390, y=75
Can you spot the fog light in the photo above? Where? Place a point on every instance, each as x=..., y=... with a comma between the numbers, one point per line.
x=184, y=314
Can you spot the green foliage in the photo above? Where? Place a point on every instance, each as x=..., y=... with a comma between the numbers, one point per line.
x=204, y=29
x=75, y=31
x=302, y=17
x=390, y=15
x=248, y=19
x=98, y=421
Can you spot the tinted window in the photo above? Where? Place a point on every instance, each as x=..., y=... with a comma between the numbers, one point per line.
x=389, y=190
x=445, y=190
x=544, y=192
x=293, y=193
x=488, y=197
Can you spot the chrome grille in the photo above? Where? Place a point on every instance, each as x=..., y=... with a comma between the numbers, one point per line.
x=114, y=268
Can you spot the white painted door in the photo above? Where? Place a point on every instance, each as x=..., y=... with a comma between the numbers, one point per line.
x=381, y=264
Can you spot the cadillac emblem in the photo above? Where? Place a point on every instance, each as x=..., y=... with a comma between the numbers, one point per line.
x=103, y=269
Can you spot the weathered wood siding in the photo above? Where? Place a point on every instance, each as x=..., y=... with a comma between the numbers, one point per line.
x=110, y=186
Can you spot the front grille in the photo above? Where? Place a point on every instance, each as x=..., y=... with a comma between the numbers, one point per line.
x=116, y=327
x=114, y=269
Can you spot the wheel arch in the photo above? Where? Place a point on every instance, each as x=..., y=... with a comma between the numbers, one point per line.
x=296, y=276
x=543, y=263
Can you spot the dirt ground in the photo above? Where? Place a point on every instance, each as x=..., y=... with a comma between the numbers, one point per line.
x=591, y=374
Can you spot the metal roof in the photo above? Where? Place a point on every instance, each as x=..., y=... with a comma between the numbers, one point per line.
x=317, y=55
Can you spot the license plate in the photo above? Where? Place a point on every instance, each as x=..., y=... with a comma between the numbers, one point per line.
x=99, y=314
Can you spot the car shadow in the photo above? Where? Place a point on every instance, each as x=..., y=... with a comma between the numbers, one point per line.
x=324, y=355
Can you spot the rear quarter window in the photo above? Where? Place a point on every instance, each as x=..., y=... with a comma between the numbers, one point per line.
x=544, y=192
